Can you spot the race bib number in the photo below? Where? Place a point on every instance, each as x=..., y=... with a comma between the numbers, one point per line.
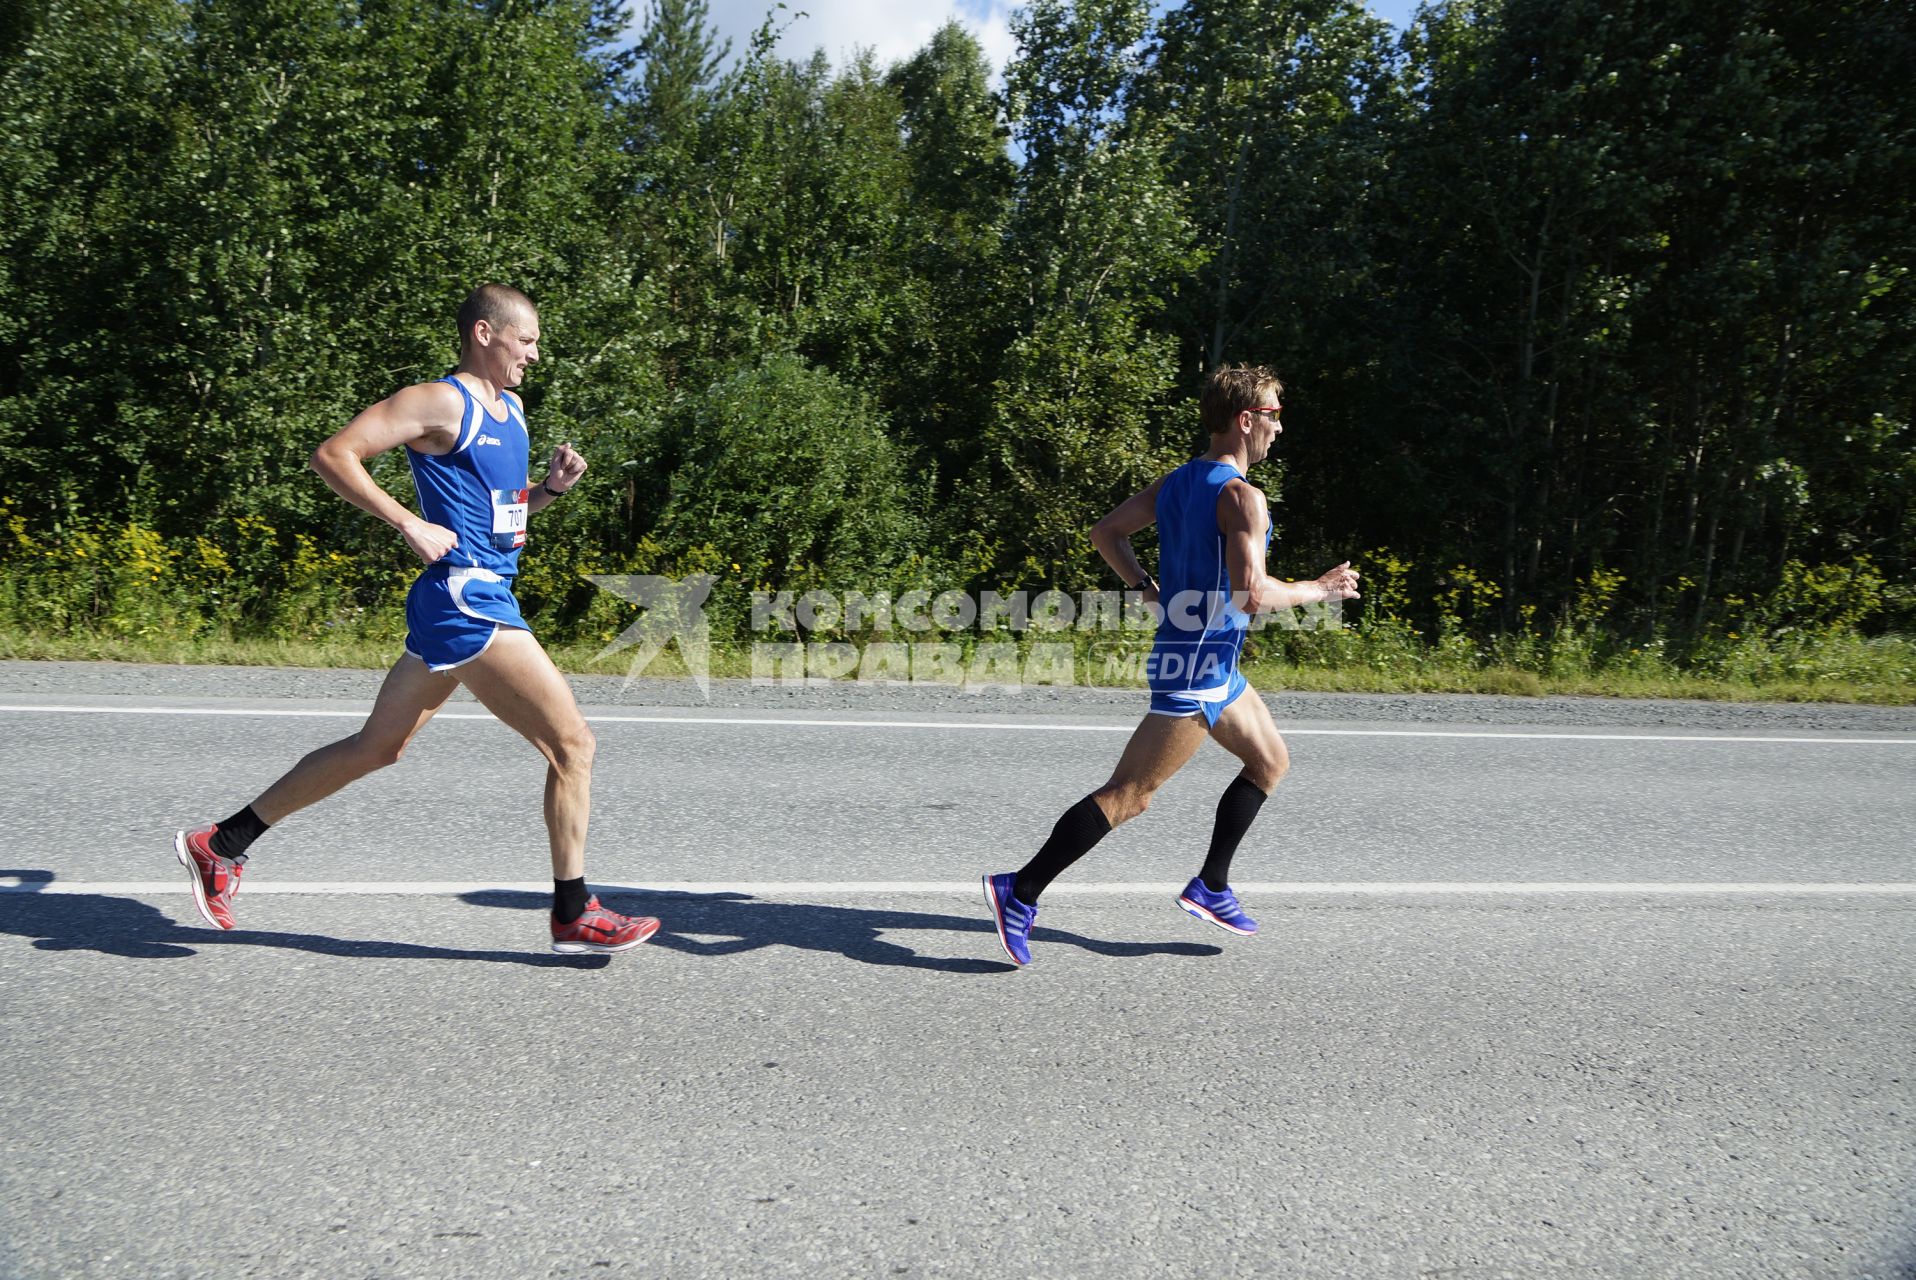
x=509, y=510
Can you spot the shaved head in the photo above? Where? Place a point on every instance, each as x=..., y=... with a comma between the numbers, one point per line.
x=498, y=305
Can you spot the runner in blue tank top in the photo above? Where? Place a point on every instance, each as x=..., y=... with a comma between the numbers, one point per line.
x=465, y=437
x=1193, y=664
x=1213, y=532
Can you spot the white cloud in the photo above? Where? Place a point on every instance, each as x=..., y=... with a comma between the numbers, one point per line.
x=893, y=31
x=896, y=29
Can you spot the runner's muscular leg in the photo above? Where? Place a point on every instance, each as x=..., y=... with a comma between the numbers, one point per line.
x=516, y=681
x=407, y=699
x=1158, y=748
x=1247, y=731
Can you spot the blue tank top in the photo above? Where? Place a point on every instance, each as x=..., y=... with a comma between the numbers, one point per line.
x=479, y=490
x=1202, y=632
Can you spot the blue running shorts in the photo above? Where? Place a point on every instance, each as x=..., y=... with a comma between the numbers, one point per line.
x=1209, y=703
x=453, y=612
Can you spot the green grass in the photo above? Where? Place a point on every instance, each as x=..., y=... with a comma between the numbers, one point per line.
x=1515, y=682
x=205, y=651
x=349, y=653
x=735, y=663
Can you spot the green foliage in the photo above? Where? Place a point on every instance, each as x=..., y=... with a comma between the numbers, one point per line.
x=1099, y=237
x=936, y=381
x=199, y=311
x=1645, y=241
x=1071, y=434
x=828, y=491
x=128, y=581
x=1599, y=313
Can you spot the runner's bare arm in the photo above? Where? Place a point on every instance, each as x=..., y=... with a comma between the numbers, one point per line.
x=1112, y=535
x=1243, y=516
x=425, y=416
x=562, y=473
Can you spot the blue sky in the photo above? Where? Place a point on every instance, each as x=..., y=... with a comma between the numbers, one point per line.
x=1395, y=12
x=894, y=30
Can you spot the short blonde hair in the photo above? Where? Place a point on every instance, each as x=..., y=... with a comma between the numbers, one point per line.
x=1233, y=388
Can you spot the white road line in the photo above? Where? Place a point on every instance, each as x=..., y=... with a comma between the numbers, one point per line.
x=996, y=726
x=14, y=884
x=212, y=711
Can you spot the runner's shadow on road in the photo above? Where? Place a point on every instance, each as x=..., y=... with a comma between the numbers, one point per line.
x=740, y=922
x=133, y=929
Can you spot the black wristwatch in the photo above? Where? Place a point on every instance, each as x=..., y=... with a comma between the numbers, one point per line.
x=552, y=492
x=1148, y=581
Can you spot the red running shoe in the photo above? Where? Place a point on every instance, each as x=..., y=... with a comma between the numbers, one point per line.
x=601, y=932
x=215, y=879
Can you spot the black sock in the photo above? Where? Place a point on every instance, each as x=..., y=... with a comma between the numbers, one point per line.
x=1082, y=826
x=568, y=899
x=236, y=835
x=1235, y=811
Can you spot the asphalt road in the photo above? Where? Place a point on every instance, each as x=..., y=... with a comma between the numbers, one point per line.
x=1435, y=1060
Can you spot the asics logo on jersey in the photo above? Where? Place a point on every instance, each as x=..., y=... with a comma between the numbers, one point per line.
x=486, y=439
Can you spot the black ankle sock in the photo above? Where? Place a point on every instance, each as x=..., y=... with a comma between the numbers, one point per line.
x=568, y=899
x=236, y=835
x=1235, y=811
x=1082, y=826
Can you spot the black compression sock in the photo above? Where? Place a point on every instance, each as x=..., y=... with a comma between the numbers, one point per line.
x=236, y=835
x=1235, y=811
x=1082, y=826
x=568, y=899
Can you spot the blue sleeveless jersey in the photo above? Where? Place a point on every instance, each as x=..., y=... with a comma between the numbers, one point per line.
x=479, y=490
x=1202, y=632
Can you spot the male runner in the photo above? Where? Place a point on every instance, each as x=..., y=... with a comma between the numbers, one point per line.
x=1213, y=531
x=465, y=436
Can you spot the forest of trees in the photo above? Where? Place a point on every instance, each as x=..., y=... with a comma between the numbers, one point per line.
x=1585, y=308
